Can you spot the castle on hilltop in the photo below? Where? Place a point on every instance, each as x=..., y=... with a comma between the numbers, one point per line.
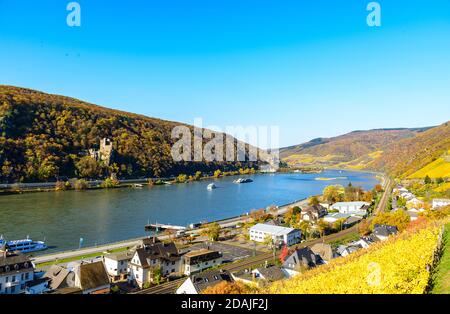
x=105, y=152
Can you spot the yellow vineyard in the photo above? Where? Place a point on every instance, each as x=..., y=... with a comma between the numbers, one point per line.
x=399, y=265
x=440, y=168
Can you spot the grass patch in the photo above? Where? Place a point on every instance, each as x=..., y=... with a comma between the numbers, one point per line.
x=344, y=240
x=79, y=257
x=441, y=276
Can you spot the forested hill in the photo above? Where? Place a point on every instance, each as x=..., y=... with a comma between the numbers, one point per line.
x=429, y=149
x=43, y=136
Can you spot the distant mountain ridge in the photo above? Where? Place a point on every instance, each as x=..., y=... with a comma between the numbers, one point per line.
x=387, y=149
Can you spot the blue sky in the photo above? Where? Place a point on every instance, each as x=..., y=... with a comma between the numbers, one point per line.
x=312, y=67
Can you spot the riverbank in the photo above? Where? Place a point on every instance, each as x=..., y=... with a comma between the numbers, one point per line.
x=36, y=187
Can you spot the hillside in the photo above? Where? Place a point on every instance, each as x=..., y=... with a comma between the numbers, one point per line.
x=426, y=153
x=399, y=265
x=44, y=135
x=356, y=150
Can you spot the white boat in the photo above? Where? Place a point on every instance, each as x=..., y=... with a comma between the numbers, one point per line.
x=25, y=246
x=241, y=180
x=211, y=186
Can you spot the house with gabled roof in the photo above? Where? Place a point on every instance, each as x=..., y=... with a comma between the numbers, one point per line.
x=382, y=232
x=259, y=276
x=92, y=278
x=16, y=270
x=154, y=257
x=300, y=260
x=313, y=213
x=197, y=283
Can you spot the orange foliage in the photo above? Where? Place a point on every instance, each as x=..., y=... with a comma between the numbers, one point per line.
x=225, y=287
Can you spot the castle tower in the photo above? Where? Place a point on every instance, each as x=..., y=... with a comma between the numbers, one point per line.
x=106, y=150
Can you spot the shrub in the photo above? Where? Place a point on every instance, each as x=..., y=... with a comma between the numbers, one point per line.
x=80, y=184
x=182, y=178
x=60, y=186
x=109, y=183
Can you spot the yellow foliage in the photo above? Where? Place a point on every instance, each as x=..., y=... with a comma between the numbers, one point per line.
x=444, y=187
x=399, y=265
x=440, y=168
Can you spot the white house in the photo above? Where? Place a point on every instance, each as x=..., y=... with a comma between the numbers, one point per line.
x=258, y=276
x=117, y=264
x=147, y=260
x=288, y=236
x=195, y=284
x=332, y=218
x=350, y=207
x=440, y=202
x=16, y=270
x=196, y=261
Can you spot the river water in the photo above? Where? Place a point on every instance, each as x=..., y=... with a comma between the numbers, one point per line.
x=104, y=216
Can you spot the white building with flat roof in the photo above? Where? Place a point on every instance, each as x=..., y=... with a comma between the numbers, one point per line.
x=349, y=207
x=288, y=236
x=440, y=202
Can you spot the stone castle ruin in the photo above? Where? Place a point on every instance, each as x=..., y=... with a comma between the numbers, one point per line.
x=105, y=152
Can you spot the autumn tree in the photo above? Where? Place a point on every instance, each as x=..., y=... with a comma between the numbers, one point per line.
x=399, y=219
x=212, y=231
x=313, y=201
x=284, y=254
x=305, y=227
x=259, y=215
x=364, y=228
x=323, y=227
x=225, y=287
x=367, y=197
x=378, y=188
x=333, y=193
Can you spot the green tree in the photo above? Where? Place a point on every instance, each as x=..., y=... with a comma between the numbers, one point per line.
x=88, y=167
x=212, y=231
x=427, y=180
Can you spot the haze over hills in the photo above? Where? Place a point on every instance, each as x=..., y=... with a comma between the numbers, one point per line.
x=401, y=152
x=44, y=135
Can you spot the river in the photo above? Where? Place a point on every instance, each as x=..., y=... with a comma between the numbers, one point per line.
x=104, y=216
